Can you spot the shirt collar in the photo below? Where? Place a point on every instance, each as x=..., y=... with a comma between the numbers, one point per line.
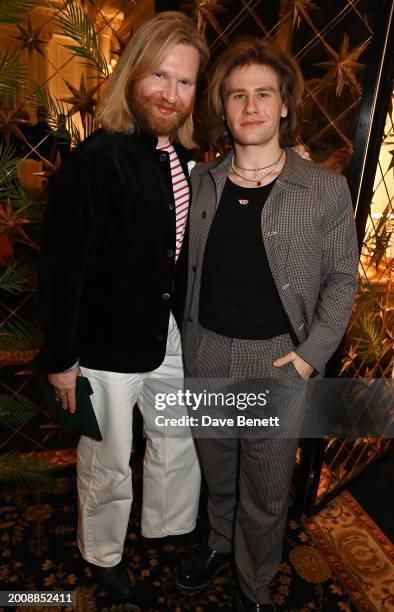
x=150, y=141
x=295, y=169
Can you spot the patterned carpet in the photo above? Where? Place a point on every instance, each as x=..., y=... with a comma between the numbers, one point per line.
x=361, y=555
x=38, y=551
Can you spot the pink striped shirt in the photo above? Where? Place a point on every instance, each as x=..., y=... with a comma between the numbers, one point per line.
x=181, y=192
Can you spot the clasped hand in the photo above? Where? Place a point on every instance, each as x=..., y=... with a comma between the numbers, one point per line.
x=64, y=384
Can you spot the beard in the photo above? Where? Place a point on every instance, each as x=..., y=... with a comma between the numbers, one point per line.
x=147, y=114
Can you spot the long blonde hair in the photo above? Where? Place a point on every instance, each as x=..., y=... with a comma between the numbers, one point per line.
x=145, y=51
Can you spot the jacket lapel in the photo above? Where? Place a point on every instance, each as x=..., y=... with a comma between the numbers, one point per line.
x=184, y=156
x=219, y=174
x=293, y=174
x=210, y=191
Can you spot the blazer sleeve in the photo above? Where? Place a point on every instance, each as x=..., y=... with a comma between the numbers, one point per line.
x=68, y=232
x=339, y=282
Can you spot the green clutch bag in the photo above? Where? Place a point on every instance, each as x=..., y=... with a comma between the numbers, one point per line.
x=83, y=421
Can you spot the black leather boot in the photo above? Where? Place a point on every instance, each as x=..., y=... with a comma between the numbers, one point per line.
x=197, y=572
x=116, y=580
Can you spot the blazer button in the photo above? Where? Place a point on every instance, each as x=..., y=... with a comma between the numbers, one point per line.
x=166, y=296
x=160, y=337
x=170, y=253
x=171, y=206
x=163, y=157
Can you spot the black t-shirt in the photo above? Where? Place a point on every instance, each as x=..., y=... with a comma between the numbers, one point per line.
x=238, y=295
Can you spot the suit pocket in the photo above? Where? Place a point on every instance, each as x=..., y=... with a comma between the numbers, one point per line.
x=295, y=374
x=282, y=345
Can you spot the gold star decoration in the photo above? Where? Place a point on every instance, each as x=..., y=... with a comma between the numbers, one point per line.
x=82, y=99
x=9, y=124
x=12, y=221
x=204, y=14
x=301, y=8
x=50, y=168
x=343, y=66
x=296, y=9
x=30, y=39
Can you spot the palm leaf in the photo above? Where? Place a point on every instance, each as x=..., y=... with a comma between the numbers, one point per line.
x=54, y=109
x=367, y=333
x=15, y=192
x=8, y=164
x=380, y=226
x=29, y=211
x=11, y=11
x=76, y=24
x=12, y=73
x=26, y=211
x=15, y=337
x=21, y=471
x=17, y=279
x=16, y=411
x=90, y=125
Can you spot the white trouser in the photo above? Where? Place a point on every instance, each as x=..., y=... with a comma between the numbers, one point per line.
x=171, y=479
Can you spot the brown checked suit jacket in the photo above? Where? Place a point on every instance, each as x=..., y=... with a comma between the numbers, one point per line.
x=308, y=230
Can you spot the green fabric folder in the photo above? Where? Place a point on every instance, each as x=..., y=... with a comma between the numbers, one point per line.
x=83, y=421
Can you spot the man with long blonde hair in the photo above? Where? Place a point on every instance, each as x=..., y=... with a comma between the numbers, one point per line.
x=112, y=289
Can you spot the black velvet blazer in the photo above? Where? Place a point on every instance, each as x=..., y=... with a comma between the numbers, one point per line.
x=108, y=276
